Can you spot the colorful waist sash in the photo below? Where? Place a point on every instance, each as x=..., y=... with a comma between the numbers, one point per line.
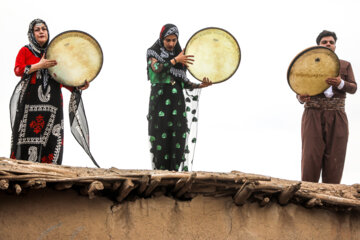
x=326, y=103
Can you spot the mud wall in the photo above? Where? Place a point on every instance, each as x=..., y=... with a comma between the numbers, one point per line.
x=49, y=214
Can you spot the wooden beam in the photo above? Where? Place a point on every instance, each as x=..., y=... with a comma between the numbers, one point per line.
x=243, y=194
x=187, y=185
x=339, y=201
x=17, y=189
x=116, y=185
x=264, y=202
x=313, y=202
x=179, y=184
x=144, y=182
x=288, y=193
x=4, y=184
x=125, y=189
x=153, y=184
x=63, y=185
x=94, y=187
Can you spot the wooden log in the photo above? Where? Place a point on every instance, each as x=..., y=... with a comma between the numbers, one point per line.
x=225, y=185
x=125, y=189
x=116, y=185
x=4, y=184
x=288, y=193
x=313, y=202
x=66, y=179
x=243, y=194
x=330, y=199
x=264, y=202
x=39, y=184
x=17, y=189
x=63, y=185
x=259, y=196
x=94, y=187
x=179, y=184
x=143, y=184
x=28, y=184
x=34, y=184
x=164, y=174
x=233, y=178
x=107, y=185
x=168, y=182
x=187, y=185
x=270, y=186
x=153, y=184
x=221, y=194
x=213, y=176
x=4, y=173
x=37, y=168
x=271, y=192
x=251, y=177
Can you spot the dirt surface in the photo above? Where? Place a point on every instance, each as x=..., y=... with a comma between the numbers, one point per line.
x=50, y=214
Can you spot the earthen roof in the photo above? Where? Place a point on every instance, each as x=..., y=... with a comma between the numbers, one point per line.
x=17, y=176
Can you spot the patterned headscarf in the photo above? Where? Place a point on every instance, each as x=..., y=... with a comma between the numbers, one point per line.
x=159, y=52
x=35, y=46
x=167, y=30
x=37, y=50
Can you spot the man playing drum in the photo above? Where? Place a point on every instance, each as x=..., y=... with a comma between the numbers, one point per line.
x=324, y=127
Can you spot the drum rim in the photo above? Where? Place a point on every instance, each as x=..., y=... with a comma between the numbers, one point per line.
x=85, y=33
x=203, y=29
x=302, y=53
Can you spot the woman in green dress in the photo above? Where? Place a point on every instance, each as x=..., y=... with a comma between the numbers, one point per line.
x=172, y=116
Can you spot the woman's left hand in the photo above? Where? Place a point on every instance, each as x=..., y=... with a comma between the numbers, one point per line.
x=205, y=83
x=85, y=86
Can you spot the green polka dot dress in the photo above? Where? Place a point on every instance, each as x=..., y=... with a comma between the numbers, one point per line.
x=167, y=141
x=172, y=107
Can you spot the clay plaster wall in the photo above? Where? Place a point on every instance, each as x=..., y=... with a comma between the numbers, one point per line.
x=49, y=214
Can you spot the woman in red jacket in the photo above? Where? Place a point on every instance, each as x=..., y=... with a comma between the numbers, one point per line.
x=36, y=107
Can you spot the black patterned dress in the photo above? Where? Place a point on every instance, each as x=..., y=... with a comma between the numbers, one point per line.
x=168, y=119
x=36, y=109
x=173, y=106
x=38, y=127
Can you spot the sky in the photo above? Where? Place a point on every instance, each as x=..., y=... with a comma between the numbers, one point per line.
x=249, y=123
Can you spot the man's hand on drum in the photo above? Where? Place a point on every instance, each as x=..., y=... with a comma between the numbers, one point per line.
x=334, y=81
x=303, y=98
x=184, y=59
x=205, y=83
x=46, y=63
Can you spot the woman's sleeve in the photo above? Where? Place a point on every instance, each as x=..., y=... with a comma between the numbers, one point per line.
x=20, y=64
x=159, y=67
x=190, y=85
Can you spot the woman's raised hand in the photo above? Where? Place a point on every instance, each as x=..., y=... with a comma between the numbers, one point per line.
x=85, y=86
x=46, y=63
x=205, y=83
x=184, y=59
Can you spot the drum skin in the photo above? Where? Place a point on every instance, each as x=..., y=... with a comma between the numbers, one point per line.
x=310, y=68
x=79, y=58
x=216, y=53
